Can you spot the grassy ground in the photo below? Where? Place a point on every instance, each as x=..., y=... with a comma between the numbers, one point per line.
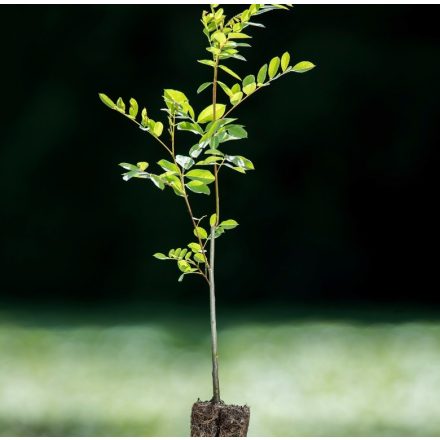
x=301, y=377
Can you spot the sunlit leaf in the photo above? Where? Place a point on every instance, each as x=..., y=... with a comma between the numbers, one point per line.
x=238, y=35
x=228, y=224
x=158, y=128
x=107, y=101
x=204, y=176
x=303, y=66
x=203, y=86
x=142, y=165
x=184, y=266
x=198, y=187
x=213, y=220
x=160, y=256
x=231, y=72
x=128, y=166
x=168, y=166
x=261, y=76
x=207, y=114
x=285, y=59
x=120, y=105
x=134, y=108
x=184, y=161
x=207, y=62
x=175, y=95
x=200, y=233
x=274, y=66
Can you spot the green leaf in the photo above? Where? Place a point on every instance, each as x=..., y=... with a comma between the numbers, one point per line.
x=190, y=126
x=285, y=59
x=142, y=165
x=128, y=166
x=188, y=256
x=144, y=120
x=157, y=181
x=201, y=233
x=120, y=105
x=249, y=79
x=198, y=187
x=218, y=231
x=210, y=160
x=214, y=151
x=237, y=131
x=184, y=161
x=274, y=66
x=303, y=66
x=195, y=247
x=228, y=224
x=107, y=101
x=182, y=253
x=206, y=114
x=213, y=220
x=231, y=72
x=225, y=88
x=261, y=76
x=219, y=36
x=158, y=128
x=204, y=176
x=238, y=35
x=175, y=95
x=207, y=62
x=236, y=98
x=250, y=88
x=134, y=108
x=168, y=166
x=184, y=266
x=200, y=258
x=241, y=161
x=178, y=189
x=160, y=256
x=195, y=150
x=203, y=87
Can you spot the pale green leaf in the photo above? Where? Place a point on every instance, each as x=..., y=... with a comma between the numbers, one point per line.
x=228, y=224
x=160, y=256
x=207, y=114
x=261, y=76
x=157, y=181
x=231, y=72
x=142, y=165
x=184, y=161
x=168, y=166
x=201, y=233
x=203, y=87
x=204, y=176
x=120, y=105
x=200, y=258
x=274, y=66
x=195, y=247
x=198, y=187
x=184, y=266
x=303, y=66
x=236, y=98
x=107, y=101
x=207, y=62
x=285, y=59
x=213, y=220
x=128, y=166
x=158, y=128
x=175, y=95
x=134, y=108
x=238, y=35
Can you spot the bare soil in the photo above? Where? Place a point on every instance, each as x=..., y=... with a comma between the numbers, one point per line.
x=219, y=420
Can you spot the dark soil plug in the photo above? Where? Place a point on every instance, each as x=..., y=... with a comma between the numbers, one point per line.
x=219, y=420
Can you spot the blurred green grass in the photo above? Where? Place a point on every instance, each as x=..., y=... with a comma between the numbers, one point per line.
x=139, y=377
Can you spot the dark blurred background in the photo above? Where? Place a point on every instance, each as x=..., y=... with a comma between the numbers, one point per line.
x=341, y=207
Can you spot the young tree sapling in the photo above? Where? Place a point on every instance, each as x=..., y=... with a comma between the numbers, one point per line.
x=198, y=171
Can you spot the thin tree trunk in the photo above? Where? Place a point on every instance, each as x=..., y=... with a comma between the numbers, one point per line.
x=215, y=380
